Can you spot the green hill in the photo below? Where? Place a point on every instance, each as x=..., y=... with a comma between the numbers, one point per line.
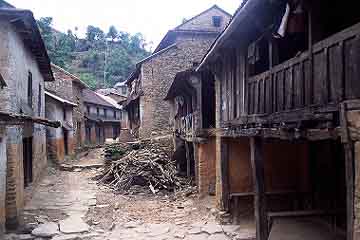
x=101, y=59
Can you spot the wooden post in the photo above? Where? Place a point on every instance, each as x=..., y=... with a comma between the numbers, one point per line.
x=257, y=164
x=225, y=174
x=188, y=160
x=349, y=171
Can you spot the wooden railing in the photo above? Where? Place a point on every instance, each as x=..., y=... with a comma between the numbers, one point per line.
x=327, y=74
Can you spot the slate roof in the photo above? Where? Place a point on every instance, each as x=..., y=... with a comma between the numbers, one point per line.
x=97, y=99
x=60, y=99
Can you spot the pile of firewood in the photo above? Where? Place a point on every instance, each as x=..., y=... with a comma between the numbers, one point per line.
x=147, y=165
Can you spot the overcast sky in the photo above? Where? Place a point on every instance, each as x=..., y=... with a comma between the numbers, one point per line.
x=153, y=18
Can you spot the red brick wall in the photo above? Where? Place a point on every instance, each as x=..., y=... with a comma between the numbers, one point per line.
x=206, y=166
x=240, y=176
x=14, y=184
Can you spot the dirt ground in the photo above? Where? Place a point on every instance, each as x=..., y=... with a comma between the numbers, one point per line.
x=97, y=212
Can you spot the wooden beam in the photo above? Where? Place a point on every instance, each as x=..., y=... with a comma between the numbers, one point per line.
x=188, y=160
x=257, y=164
x=225, y=174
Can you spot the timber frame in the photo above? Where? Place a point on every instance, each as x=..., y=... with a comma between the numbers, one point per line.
x=8, y=119
x=304, y=98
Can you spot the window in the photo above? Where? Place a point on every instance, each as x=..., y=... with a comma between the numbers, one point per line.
x=29, y=90
x=39, y=100
x=216, y=21
x=121, y=115
x=88, y=110
x=105, y=113
x=97, y=111
x=114, y=114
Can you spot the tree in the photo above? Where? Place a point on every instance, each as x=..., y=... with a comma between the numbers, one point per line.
x=113, y=33
x=94, y=34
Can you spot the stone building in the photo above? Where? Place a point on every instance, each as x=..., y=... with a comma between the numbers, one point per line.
x=102, y=118
x=122, y=88
x=25, y=66
x=70, y=88
x=59, y=141
x=120, y=98
x=180, y=49
x=287, y=119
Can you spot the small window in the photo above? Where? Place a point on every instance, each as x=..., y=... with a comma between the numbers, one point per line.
x=88, y=110
x=114, y=114
x=97, y=111
x=121, y=115
x=30, y=90
x=216, y=21
x=105, y=113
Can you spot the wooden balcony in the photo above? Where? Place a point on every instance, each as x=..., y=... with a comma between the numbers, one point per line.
x=320, y=78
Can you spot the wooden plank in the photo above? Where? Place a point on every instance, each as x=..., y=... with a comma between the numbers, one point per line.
x=336, y=72
x=280, y=91
x=257, y=164
x=319, y=80
x=269, y=95
x=288, y=88
x=308, y=83
x=261, y=96
x=299, y=85
x=352, y=68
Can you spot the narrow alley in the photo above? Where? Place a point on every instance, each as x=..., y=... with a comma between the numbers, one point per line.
x=69, y=205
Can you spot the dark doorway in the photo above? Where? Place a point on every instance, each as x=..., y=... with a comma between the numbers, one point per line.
x=88, y=134
x=208, y=100
x=28, y=160
x=66, y=142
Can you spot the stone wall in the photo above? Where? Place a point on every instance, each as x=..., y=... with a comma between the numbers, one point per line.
x=78, y=116
x=354, y=125
x=2, y=179
x=55, y=137
x=157, y=77
x=16, y=62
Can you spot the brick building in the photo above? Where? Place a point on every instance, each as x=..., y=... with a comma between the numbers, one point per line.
x=59, y=141
x=180, y=49
x=25, y=66
x=102, y=118
x=70, y=88
x=287, y=118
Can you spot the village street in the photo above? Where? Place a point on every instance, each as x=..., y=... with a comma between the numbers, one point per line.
x=68, y=204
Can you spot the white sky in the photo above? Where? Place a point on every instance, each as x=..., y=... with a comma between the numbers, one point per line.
x=153, y=18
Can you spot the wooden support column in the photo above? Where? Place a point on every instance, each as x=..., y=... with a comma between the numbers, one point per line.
x=257, y=164
x=188, y=160
x=225, y=174
x=349, y=172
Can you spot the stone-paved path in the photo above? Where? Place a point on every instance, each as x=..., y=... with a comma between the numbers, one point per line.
x=68, y=205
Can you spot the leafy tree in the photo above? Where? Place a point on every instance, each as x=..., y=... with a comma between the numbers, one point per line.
x=113, y=33
x=94, y=34
x=89, y=79
x=86, y=57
